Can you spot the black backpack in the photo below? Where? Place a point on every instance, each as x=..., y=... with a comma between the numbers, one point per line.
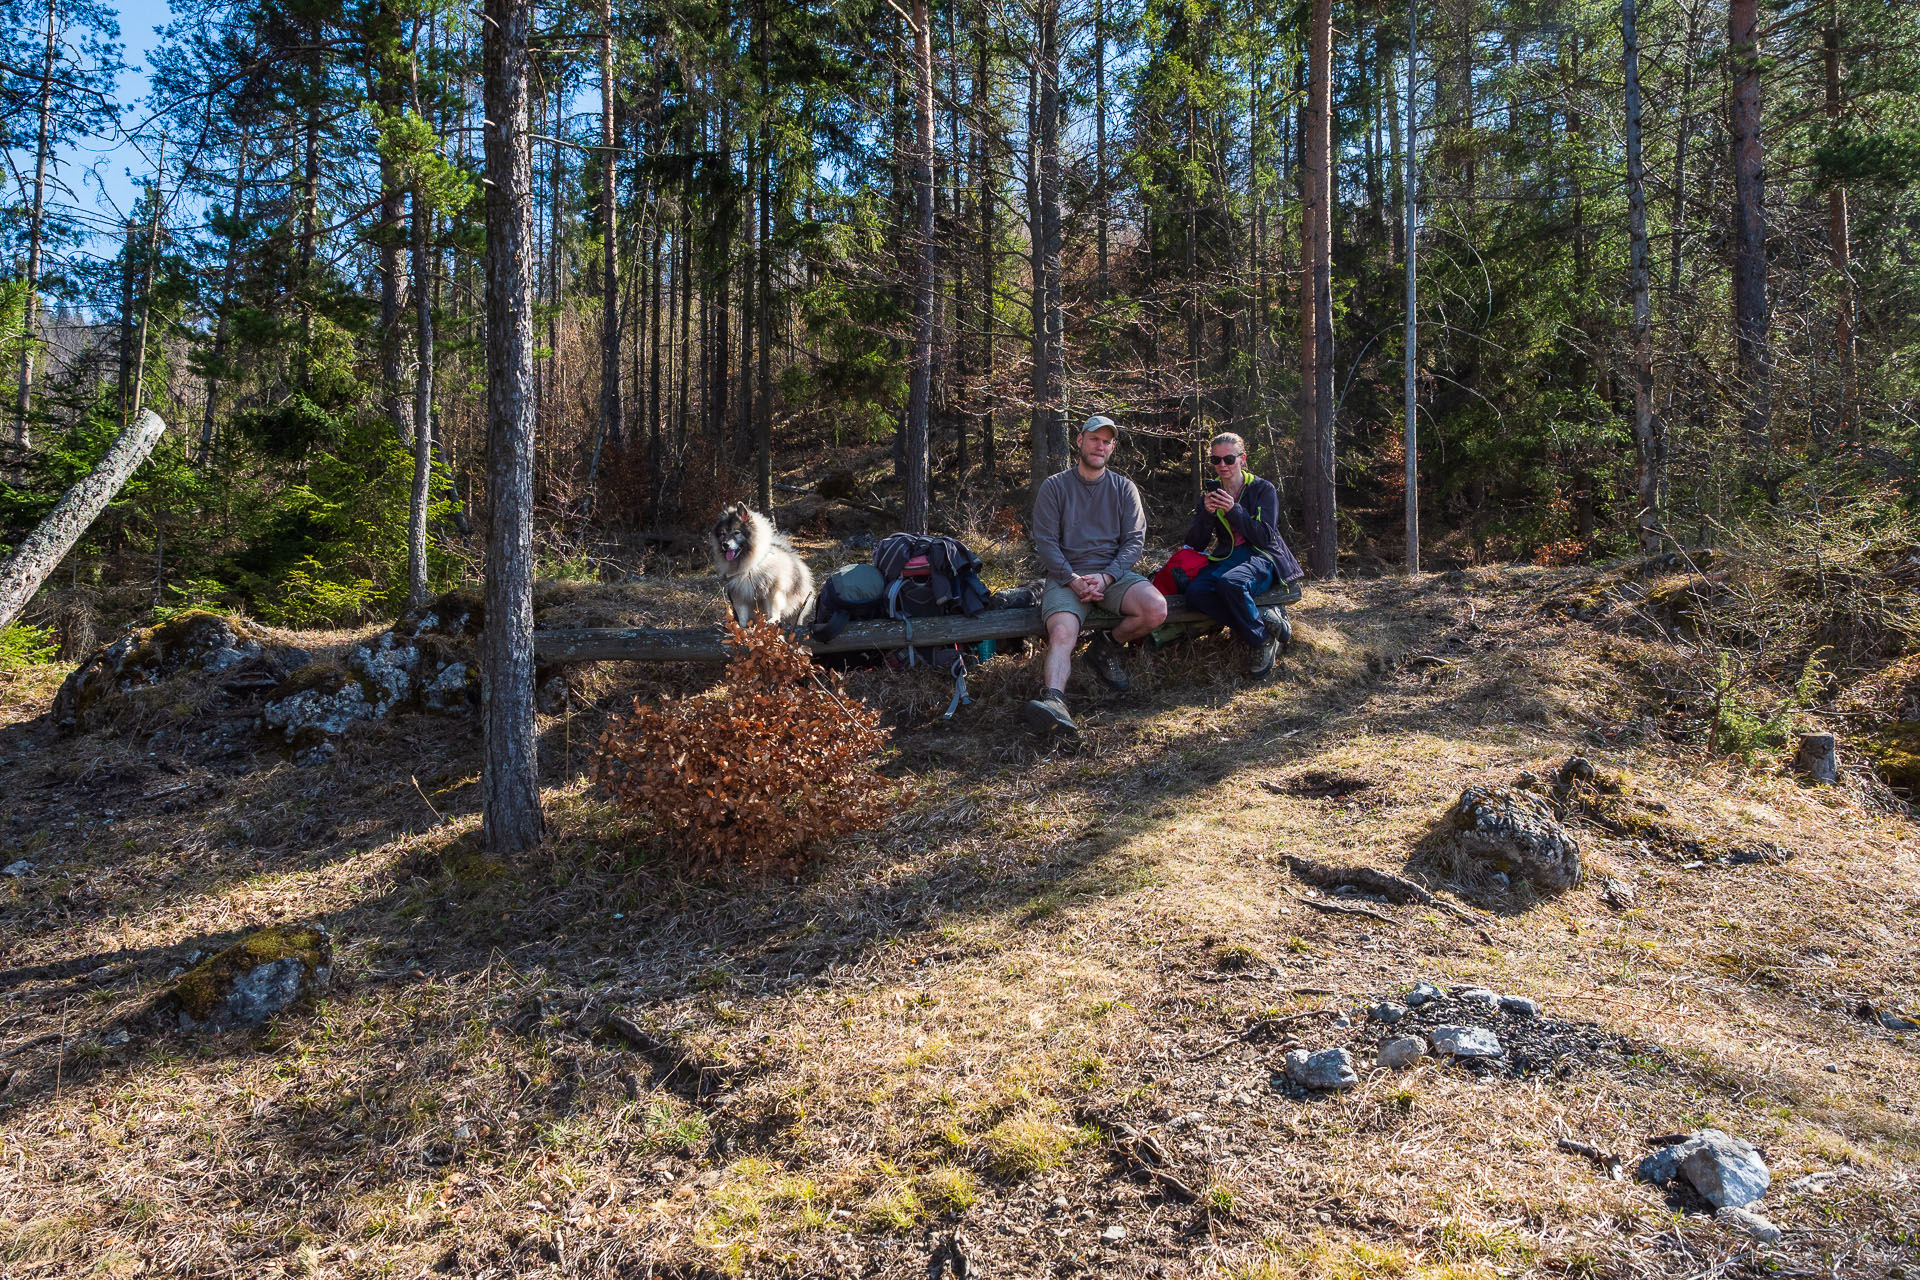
x=853, y=593
x=929, y=577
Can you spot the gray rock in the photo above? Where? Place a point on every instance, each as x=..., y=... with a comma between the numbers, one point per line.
x=1424, y=993
x=1465, y=1042
x=1618, y=893
x=16, y=869
x=1519, y=1006
x=1402, y=1052
x=1479, y=995
x=1516, y=832
x=1387, y=1012
x=1748, y=1221
x=1894, y=1022
x=1724, y=1170
x=1327, y=1069
x=1660, y=1167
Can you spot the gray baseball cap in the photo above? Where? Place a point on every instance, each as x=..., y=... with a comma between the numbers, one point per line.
x=1099, y=420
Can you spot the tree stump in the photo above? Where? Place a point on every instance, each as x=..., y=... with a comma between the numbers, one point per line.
x=1818, y=761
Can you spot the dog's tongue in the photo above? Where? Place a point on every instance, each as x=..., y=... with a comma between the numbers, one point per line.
x=731, y=553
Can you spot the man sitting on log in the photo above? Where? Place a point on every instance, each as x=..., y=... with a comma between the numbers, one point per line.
x=1089, y=528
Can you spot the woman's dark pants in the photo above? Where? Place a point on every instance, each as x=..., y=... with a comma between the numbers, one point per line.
x=1224, y=591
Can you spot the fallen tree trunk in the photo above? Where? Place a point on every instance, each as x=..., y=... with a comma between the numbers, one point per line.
x=708, y=644
x=41, y=551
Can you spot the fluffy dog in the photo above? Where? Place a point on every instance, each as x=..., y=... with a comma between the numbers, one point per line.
x=759, y=570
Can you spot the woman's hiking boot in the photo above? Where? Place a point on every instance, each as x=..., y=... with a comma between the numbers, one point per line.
x=1103, y=655
x=1267, y=652
x=1047, y=715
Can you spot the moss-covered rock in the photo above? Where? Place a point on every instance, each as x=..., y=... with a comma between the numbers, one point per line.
x=194, y=641
x=1895, y=752
x=255, y=979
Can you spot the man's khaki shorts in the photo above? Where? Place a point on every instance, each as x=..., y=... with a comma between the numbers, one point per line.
x=1062, y=600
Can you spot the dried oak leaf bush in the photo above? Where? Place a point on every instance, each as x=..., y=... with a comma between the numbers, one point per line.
x=756, y=773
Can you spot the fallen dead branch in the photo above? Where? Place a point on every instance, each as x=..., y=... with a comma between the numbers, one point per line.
x=1393, y=888
x=1337, y=909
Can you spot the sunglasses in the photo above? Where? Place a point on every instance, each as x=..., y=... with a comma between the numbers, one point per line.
x=1225, y=459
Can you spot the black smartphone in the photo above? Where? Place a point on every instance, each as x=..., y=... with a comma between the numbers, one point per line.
x=1210, y=483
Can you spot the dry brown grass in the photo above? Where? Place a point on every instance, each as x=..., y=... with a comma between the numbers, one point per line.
x=939, y=1025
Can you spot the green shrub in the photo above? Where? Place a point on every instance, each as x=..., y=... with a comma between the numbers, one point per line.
x=22, y=645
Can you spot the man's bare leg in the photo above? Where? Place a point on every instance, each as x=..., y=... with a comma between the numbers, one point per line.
x=1141, y=610
x=1063, y=632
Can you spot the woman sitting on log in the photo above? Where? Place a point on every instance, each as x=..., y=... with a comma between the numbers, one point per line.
x=1236, y=526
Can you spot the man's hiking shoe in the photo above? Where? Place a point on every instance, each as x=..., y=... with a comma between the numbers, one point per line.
x=1103, y=655
x=1048, y=717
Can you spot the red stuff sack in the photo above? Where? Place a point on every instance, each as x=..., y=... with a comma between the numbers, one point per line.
x=1177, y=573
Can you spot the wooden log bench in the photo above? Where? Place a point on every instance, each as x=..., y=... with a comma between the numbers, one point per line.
x=709, y=644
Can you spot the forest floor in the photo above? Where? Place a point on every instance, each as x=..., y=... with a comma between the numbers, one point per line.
x=945, y=1022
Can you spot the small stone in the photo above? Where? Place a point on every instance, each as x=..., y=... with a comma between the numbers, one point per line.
x=1114, y=1234
x=1479, y=995
x=116, y=1037
x=1425, y=993
x=1748, y=1221
x=1833, y=1067
x=1894, y=1022
x=1725, y=1170
x=1618, y=893
x=1341, y=1022
x=1519, y=1006
x=16, y=869
x=1402, y=1052
x=1327, y=1069
x=1500, y=881
x=1465, y=1042
x=463, y=1133
x=1387, y=1012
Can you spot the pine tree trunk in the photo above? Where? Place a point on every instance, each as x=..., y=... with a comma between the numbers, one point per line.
x=989, y=210
x=30, y=308
x=919, y=395
x=1316, y=372
x=1646, y=439
x=1838, y=241
x=763, y=394
x=612, y=424
x=1100, y=138
x=1750, y=322
x=229, y=271
x=510, y=788
x=1408, y=227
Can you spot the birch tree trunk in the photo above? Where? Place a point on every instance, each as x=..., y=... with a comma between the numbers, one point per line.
x=41, y=551
x=422, y=406
x=510, y=787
